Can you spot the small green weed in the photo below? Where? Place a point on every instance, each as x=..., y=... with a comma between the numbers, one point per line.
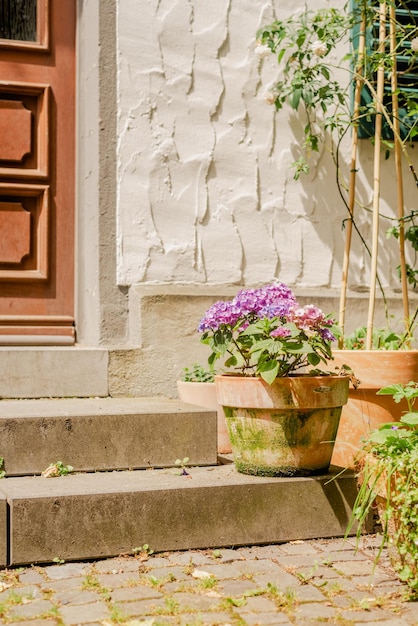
x=57, y=469
x=286, y=600
x=208, y=582
x=117, y=616
x=143, y=552
x=181, y=463
x=58, y=560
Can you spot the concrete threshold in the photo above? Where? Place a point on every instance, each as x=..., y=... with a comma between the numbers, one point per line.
x=86, y=516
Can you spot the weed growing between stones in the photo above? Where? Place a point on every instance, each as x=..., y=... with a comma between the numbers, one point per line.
x=172, y=607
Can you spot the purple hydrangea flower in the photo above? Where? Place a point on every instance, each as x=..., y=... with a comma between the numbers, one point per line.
x=326, y=334
x=280, y=332
x=218, y=314
x=273, y=300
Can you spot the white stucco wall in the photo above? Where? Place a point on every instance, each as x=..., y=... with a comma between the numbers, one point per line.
x=205, y=189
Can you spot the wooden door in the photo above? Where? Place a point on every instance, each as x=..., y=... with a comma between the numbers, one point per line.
x=37, y=171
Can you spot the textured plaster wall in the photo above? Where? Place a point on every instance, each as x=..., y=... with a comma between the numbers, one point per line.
x=206, y=193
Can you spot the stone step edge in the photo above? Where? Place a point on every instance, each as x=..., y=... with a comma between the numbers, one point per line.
x=90, y=516
x=99, y=434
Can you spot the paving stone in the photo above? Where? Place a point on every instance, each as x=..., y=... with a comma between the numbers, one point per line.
x=178, y=586
x=341, y=602
x=153, y=562
x=322, y=572
x=410, y=613
x=66, y=584
x=117, y=565
x=339, y=544
x=281, y=579
x=354, y=568
x=202, y=619
x=308, y=593
x=374, y=580
x=224, y=555
x=162, y=573
x=266, y=619
x=39, y=622
x=261, y=552
x=77, y=596
x=363, y=595
x=56, y=572
x=84, y=613
x=336, y=556
x=314, y=610
x=297, y=561
x=127, y=594
x=299, y=547
x=261, y=566
x=143, y=608
x=31, y=576
x=394, y=621
x=226, y=570
x=113, y=581
x=233, y=588
x=185, y=558
x=37, y=608
x=196, y=601
x=28, y=592
x=372, y=615
x=258, y=603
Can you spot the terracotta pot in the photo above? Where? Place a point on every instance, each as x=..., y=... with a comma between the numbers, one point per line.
x=284, y=429
x=204, y=395
x=365, y=410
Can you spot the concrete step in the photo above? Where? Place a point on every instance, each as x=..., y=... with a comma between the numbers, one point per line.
x=86, y=516
x=94, y=434
x=53, y=371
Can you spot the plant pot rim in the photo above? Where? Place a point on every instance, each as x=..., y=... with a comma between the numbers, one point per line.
x=375, y=350
x=290, y=377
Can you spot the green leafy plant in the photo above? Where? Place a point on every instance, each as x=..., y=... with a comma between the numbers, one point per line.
x=143, y=551
x=198, y=374
x=382, y=339
x=265, y=332
x=311, y=82
x=57, y=469
x=182, y=463
x=387, y=468
x=2, y=470
x=302, y=44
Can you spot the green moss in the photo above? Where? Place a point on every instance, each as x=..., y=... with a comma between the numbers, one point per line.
x=267, y=470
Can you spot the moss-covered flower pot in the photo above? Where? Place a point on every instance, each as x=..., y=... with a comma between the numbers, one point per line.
x=284, y=429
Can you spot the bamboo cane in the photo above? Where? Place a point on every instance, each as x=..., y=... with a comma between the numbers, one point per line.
x=352, y=180
x=398, y=165
x=376, y=174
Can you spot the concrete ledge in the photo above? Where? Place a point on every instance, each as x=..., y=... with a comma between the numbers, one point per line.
x=3, y=530
x=104, y=434
x=99, y=515
x=43, y=372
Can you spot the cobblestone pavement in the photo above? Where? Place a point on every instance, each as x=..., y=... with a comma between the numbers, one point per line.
x=302, y=583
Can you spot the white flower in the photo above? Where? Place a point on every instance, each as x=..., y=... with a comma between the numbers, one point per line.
x=319, y=47
x=270, y=97
x=271, y=94
x=414, y=44
x=262, y=50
